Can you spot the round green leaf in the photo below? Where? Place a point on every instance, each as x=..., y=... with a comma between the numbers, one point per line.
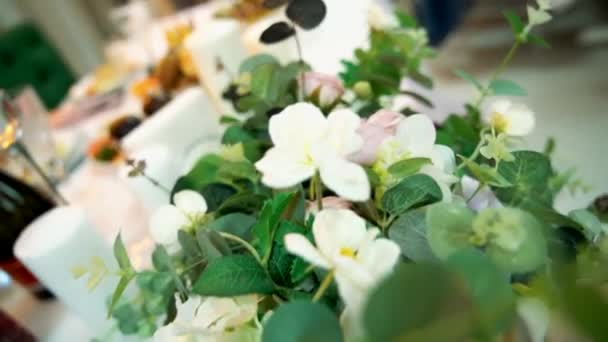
x=277, y=32
x=515, y=239
x=308, y=14
x=489, y=286
x=448, y=228
x=419, y=302
x=233, y=275
x=301, y=321
x=409, y=232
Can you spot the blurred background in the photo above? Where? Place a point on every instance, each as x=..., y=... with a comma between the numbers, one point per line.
x=54, y=48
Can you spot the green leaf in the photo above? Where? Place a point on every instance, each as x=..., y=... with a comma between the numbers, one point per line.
x=469, y=78
x=507, y=88
x=233, y=275
x=246, y=202
x=281, y=261
x=277, y=32
x=409, y=232
x=121, y=255
x=489, y=286
x=268, y=222
x=408, y=167
x=236, y=134
x=238, y=224
x=411, y=192
x=449, y=227
x=538, y=41
x=425, y=101
x=212, y=245
x=238, y=170
x=486, y=175
x=118, y=292
x=251, y=63
x=162, y=262
x=228, y=120
x=517, y=25
x=514, y=239
x=529, y=173
x=591, y=224
x=406, y=20
x=190, y=247
x=307, y=14
x=459, y=134
x=216, y=194
x=301, y=321
x=419, y=302
x=264, y=82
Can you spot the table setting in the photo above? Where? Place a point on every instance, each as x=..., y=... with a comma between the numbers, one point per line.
x=287, y=171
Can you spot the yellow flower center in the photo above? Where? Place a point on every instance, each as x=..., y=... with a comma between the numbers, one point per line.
x=348, y=252
x=499, y=122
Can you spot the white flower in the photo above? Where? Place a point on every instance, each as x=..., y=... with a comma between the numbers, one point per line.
x=214, y=320
x=380, y=19
x=509, y=118
x=357, y=257
x=544, y=5
x=538, y=16
x=324, y=90
x=306, y=142
x=167, y=220
x=415, y=138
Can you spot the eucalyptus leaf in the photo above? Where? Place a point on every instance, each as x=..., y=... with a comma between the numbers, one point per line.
x=469, y=78
x=491, y=290
x=300, y=321
x=411, y=192
x=449, y=228
x=246, y=202
x=251, y=63
x=438, y=306
x=408, y=167
x=233, y=275
x=529, y=173
x=409, y=232
x=538, y=41
x=212, y=245
x=591, y=224
x=307, y=14
x=238, y=224
x=121, y=255
x=507, y=88
x=515, y=21
x=277, y=32
x=119, y=291
x=162, y=261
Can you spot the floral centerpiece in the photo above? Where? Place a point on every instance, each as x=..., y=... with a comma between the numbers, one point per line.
x=329, y=216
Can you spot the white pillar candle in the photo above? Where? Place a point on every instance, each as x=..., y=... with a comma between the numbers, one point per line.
x=213, y=41
x=186, y=119
x=56, y=242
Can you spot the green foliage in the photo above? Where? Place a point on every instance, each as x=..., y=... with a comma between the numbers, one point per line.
x=448, y=228
x=233, y=275
x=302, y=321
x=126, y=270
x=268, y=222
x=438, y=306
x=411, y=192
x=238, y=224
x=391, y=56
x=408, y=167
x=459, y=134
x=529, y=174
x=469, y=78
x=506, y=88
x=409, y=232
x=516, y=23
x=590, y=223
x=281, y=261
x=486, y=175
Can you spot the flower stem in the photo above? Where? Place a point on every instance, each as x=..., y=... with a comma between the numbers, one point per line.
x=300, y=60
x=244, y=243
x=473, y=157
x=479, y=187
x=503, y=65
x=319, y=190
x=324, y=286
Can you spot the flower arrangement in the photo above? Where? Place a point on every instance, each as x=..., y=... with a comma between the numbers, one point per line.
x=328, y=216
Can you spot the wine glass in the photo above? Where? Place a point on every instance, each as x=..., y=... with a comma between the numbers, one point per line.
x=10, y=139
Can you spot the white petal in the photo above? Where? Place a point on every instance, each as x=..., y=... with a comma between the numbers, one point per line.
x=335, y=229
x=282, y=169
x=348, y=180
x=297, y=126
x=165, y=223
x=342, y=133
x=418, y=133
x=352, y=293
x=379, y=257
x=190, y=202
x=299, y=245
x=538, y=16
x=521, y=120
x=443, y=157
x=443, y=180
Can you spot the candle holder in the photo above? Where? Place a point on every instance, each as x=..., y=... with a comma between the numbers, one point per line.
x=10, y=140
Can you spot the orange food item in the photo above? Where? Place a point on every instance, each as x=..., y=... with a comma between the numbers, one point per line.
x=105, y=149
x=143, y=88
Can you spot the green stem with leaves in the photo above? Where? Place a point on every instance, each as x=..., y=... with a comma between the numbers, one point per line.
x=503, y=65
x=244, y=243
x=324, y=286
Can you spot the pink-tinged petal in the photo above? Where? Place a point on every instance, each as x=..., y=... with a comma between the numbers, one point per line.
x=347, y=179
x=299, y=245
x=342, y=134
x=373, y=137
x=281, y=169
x=386, y=119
